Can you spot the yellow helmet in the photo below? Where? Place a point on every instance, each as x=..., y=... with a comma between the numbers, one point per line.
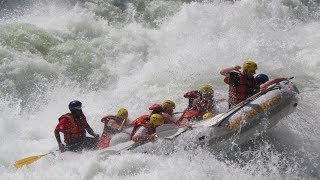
x=206, y=89
x=156, y=119
x=168, y=104
x=249, y=65
x=122, y=113
x=207, y=115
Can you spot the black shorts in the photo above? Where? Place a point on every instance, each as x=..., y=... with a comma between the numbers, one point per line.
x=88, y=143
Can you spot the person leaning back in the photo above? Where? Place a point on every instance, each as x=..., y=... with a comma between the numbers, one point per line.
x=74, y=126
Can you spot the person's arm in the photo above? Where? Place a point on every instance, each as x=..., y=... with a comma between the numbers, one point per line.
x=226, y=71
x=60, y=128
x=270, y=82
x=61, y=146
x=142, y=135
x=91, y=132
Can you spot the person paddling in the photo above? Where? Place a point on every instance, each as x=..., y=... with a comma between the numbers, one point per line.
x=74, y=126
x=200, y=103
x=165, y=110
x=146, y=130
x=113, y=125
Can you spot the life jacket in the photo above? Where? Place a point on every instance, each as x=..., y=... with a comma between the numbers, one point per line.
x=142, y=121
x=192, y=95
x=190, y=114
x=104, y=141
x=205, y=105
x=240, y=87
x=156, y=109
x=75, y=130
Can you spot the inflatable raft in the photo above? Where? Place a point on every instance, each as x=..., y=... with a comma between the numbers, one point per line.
x=255, y=115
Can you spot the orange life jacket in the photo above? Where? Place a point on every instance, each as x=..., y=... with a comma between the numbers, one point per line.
x=240, y=87
x=75, y=130
x=142, y=121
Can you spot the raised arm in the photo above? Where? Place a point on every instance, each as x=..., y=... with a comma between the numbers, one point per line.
x=226, y=71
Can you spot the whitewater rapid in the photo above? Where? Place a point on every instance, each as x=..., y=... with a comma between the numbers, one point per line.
x=132, y=54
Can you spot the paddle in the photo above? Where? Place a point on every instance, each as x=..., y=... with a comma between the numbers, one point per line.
x=26, y=161
x=118, y=148
x=122, y=124
x=178, y=112
x=169, y=131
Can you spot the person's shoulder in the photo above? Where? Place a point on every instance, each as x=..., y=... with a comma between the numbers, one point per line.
x=63, y=120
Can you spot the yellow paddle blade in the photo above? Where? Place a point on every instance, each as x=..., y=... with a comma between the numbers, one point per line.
x=25, y=161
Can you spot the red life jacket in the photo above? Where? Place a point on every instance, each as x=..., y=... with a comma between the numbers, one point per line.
x=156, y=109
x=240, y=87
x=142, y=121
x=190, y=114
x=75, y=130
x=104, y=141
x=192, y=95
x=205, y=105
x=155, y=106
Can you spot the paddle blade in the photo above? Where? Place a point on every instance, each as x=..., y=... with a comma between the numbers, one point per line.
x=26, y=161
x=169, y=131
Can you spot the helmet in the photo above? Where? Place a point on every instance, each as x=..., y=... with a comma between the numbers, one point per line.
x=207, y=115
x=206, y=89
x=168, y=104
x=261, y=78
x=156, y=119
x=122, y=113
x=249, y=65
x=75, y=105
